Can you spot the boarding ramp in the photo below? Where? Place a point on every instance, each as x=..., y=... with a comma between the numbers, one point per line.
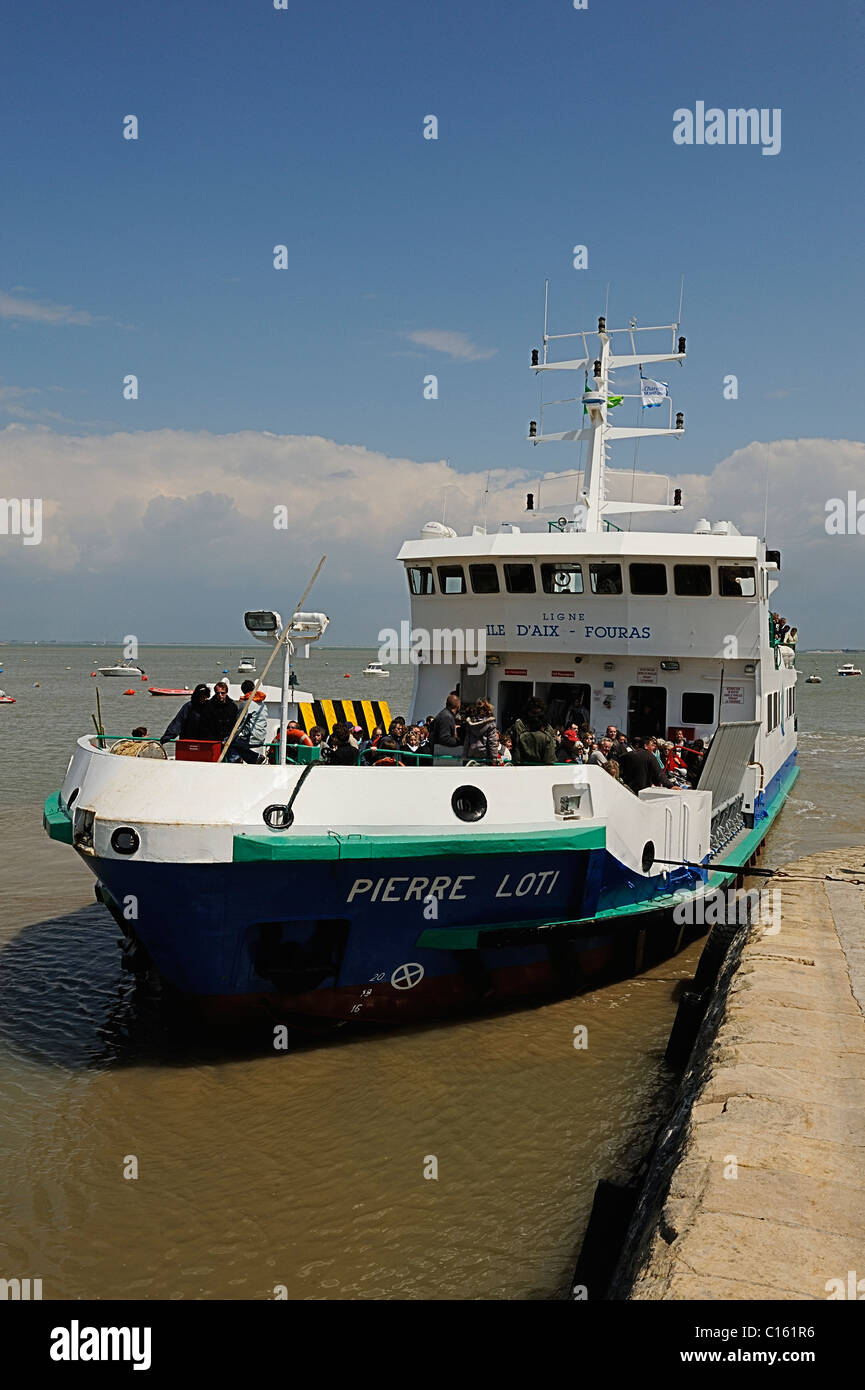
x=725, y=776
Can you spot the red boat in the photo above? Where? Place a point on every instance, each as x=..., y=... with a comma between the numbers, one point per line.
x=169, y=690
x=6, y=699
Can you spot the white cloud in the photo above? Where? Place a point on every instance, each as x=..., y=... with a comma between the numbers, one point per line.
x=173, y=530
x=453, y=344
x=32, y=311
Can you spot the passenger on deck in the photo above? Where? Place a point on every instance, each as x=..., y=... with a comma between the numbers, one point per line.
x=674, y=763
x=603, y=751
x=342, y=751
x=694, y=758
x=481, y=742
x=412, y=743
x=612, y=767
x=397, y=729
x=505, y=747
x=640, y=769
x=368, y=745
x=187, y=721
x=249, y=742
x=534, y=739
x=444, y=728
x=570, y=749
x=620, y=745
x=385, y=754
x=218, y=715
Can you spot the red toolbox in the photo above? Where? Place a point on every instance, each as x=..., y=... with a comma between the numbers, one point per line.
x=197, y=750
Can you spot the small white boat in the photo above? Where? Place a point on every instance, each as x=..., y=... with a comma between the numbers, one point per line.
x=813, y=679
x=246, y=666
x=374, y=668
x=848, y=669
x=121, y=668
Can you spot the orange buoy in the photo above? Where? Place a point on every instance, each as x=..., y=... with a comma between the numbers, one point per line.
x=143, y=677
x=93, y=673
x=129, y=692
x=347, y=676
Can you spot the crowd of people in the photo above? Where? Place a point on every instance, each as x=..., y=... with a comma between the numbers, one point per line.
x=470, y=735
x=781, y=634
x=212, y=718
x=462, y=734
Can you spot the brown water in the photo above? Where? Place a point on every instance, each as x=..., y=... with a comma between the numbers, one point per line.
x=306, y=1169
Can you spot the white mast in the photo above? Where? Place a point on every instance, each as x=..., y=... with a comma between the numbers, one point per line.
x=597, y=431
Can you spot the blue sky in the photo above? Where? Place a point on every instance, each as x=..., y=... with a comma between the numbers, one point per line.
x=304, y=127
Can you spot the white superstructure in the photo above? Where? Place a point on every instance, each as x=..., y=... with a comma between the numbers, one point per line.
x=652, y=631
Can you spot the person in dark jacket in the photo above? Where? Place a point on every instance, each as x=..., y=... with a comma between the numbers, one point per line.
x=640, y=768
x=343, y=752
x=533, y=738
x=187, y=721
x=218, y=715
x=481, y=741
x=444, y=727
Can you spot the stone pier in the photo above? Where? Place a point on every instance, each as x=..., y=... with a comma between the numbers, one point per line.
x=758, y=1189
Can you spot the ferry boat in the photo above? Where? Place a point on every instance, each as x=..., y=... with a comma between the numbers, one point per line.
x=386, y=893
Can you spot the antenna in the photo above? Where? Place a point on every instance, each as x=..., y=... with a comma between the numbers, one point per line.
x=486, y=498
x=681, y=297
x=546, y=307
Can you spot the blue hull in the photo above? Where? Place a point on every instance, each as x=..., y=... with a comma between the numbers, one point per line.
x=389, y=939
x=312, y=938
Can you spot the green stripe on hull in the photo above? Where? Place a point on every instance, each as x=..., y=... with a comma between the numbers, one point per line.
x=56, y=820
x=252, y=848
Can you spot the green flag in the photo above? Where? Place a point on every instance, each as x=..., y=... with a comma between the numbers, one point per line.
x=613, y=401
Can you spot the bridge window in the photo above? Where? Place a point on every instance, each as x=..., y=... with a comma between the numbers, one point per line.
x=698, y=707
x=520, y=579
x=736, y=581
x=605, y=579
x=692, y=581
x=485, y=579
x=420, y=580
x=452, y=579
x=562, y=579
x=648, y=579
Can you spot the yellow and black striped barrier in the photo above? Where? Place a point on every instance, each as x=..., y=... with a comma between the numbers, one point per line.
x=365, y=713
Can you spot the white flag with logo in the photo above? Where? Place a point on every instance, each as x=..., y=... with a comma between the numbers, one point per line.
x=652, y=392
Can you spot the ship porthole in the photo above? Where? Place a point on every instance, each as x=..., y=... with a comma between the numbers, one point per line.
x=278, y=817
x=72, y=795
x=648, y=856
x=469, y=803
x=125, y=840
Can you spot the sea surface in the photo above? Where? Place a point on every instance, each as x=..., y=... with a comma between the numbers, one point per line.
x=137, y=1165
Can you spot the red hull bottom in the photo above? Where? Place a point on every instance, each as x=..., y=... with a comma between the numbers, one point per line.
x=434, y=997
